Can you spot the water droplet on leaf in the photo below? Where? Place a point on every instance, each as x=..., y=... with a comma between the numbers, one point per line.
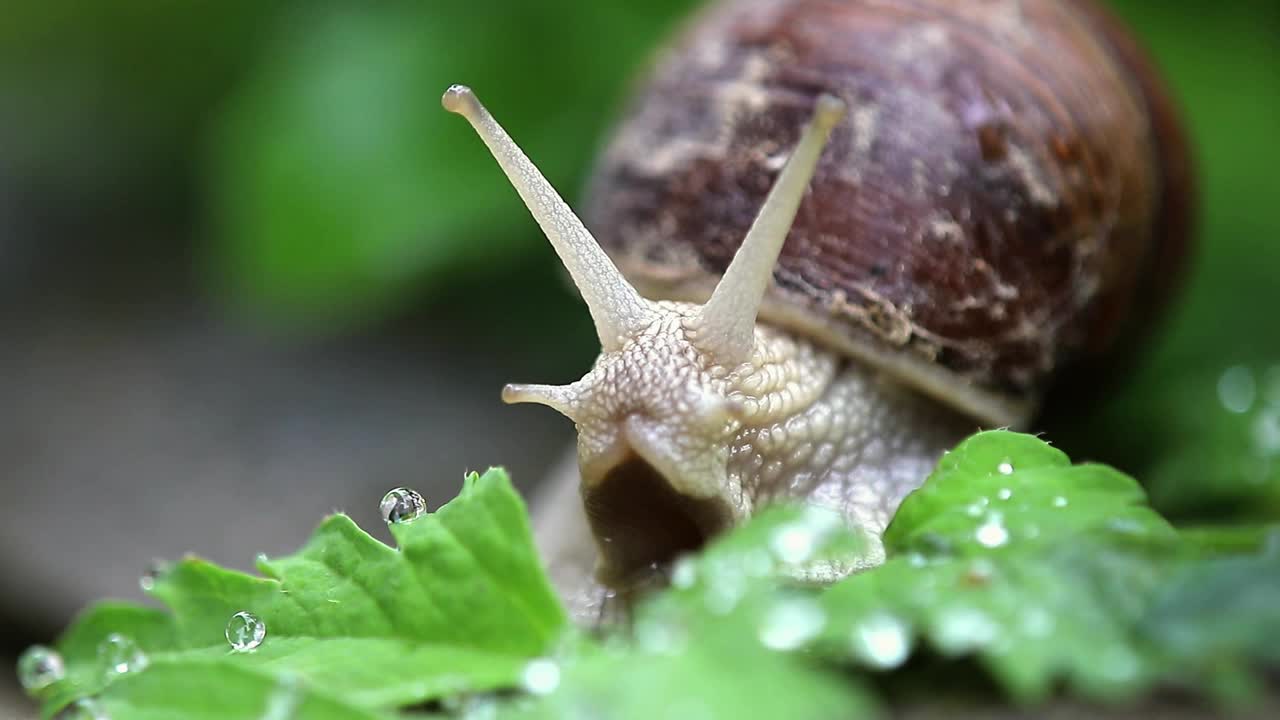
x=541, y=676
x=992, y=533
x=1266, y=431
x=284, y=699
x=84, y=709
x=154, y=572
x=402, y=505
x=1037, y=622
x=39, y=667
x=882, y=641
x=660, y=637
x=245, y=631
x=961, y=629
x=791, y=623
x=119, y=654
x=684, y=574
x=1059, y=501
x=1236, y=389
x=1005, y=468
x=1004, y=494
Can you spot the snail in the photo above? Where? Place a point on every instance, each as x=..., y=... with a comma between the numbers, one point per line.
x=834, y=238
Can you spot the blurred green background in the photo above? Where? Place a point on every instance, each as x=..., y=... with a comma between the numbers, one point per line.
x=258, y=211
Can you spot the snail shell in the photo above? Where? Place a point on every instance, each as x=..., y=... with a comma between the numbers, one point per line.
x=1010, y=190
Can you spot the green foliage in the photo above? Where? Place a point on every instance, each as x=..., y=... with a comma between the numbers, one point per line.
x=352, y=624
x=1082, y=588
x=342, y=185
x=1000, y=487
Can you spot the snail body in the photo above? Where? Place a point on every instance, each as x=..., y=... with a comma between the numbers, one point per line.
x=833, y=239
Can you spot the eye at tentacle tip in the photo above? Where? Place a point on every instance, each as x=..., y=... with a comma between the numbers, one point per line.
x=456, y=98
x=615, y=306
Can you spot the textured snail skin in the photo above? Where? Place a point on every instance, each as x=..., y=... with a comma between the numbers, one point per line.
x=664, y=464
x=1009, y=192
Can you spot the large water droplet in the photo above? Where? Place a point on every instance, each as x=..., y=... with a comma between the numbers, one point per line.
x=1005, y=468
x=961, y=629
x=1004, y=493
x=992, y=533
x=541, y=676
x=39, y=667
x=1237, y=389
x=119, y=654
x=791, y=623
x=245, y=631
x=882, y=640
x=402, y=505
x=1059, y=501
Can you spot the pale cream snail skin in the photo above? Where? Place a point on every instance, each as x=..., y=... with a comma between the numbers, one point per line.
x=695, y=416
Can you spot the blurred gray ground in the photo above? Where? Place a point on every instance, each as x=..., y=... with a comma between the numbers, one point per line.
x=149, y=428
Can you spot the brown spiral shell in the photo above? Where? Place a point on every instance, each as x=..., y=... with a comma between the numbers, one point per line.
x=1010, y=190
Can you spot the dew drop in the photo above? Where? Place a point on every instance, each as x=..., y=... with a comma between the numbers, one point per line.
x=725, y=587
x=1004, y=494
x=1236, y=389
x=39, y=667
x=796, y=542
x=119, y=654
x=660, y=637
x=961, y=629
x=684, y=574
x=1037, y=622
x=1266, y=431
x=402, y=505
x=84, y=709
x=1005, y=468
x=1059, y=501
x=285, y=697
x=882, y=641
x=791, y=623
x=153, y=573
x=245, y=631
x=992, y=533
x=1271, y=386
x=541, y=676
x=792, y=543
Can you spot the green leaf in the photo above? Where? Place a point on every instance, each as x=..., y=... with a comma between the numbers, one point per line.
x=218, y=690
x=460, y=606
x=1225, y=609
x=702, y=649
x=1000, y=487
x=1063, y=611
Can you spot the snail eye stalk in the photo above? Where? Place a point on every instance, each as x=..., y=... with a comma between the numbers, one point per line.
x=616, y=308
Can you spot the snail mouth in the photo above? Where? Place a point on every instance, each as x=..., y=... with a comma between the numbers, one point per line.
x=642, y=524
